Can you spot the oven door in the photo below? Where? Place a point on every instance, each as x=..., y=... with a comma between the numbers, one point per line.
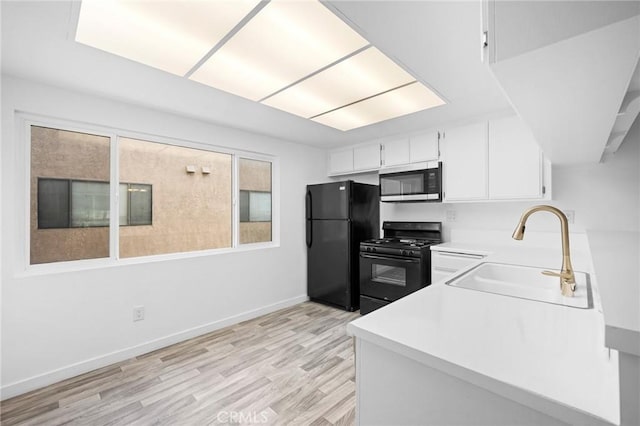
x=389, y=277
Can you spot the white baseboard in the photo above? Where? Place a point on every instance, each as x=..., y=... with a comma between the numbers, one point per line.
x=54, y=376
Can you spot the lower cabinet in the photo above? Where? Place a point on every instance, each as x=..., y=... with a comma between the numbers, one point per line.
x=394, y=389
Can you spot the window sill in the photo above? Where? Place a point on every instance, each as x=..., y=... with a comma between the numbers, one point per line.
x=93, y=264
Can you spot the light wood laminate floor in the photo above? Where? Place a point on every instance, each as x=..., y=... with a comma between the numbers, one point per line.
x=294, y=367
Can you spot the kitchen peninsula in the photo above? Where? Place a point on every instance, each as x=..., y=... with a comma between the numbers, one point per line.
x=447, y=355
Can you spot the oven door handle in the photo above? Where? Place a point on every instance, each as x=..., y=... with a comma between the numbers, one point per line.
x=392, y=259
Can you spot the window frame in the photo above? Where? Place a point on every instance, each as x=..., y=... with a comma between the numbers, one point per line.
x=25, y=120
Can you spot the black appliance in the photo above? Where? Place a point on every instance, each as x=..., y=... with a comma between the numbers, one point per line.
x=423, y=184
x=398, y=264
x=339, y=216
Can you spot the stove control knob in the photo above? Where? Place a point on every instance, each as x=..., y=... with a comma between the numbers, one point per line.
x=404, y=252
x=373, y=249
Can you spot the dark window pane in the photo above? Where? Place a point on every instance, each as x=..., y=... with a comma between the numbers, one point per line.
x=244, y=206
x=53, y=203
x=139, y=204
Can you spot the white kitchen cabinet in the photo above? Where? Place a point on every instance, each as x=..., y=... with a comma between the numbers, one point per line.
x=566, y=77
x=340, y=161
x=424, y=147
x=465, y=162
x=515, y=161
x=395, y=152
x=355, y=159
x=495, y=160
x=366, y=157
x=392, y=389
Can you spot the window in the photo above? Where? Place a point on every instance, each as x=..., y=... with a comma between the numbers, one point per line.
x=89, y=204
x=255, y=200
x=64, y=203
x=255, y=206
x=69, y=195
x=167, y=198
x=135, y=204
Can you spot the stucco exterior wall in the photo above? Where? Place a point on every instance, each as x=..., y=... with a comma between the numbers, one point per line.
x=191, y=211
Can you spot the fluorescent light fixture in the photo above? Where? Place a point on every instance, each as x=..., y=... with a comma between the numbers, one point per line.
x=170, y=35
x=285, y=42
x=294, y=55
x=395, y=103
x=361, y=76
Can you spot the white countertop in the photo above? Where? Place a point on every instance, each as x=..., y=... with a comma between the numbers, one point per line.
x=616, y=263
x=546, y=356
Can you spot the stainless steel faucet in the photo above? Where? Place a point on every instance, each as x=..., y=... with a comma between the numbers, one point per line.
x=567, y=277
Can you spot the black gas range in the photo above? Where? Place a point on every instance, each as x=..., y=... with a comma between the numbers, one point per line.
x=398, y=264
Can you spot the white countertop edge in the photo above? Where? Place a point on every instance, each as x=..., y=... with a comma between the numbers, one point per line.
x=622, y=339
x=535, y=401
x=610, y=249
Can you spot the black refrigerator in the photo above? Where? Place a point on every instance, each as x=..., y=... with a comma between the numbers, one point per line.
x=339, y=216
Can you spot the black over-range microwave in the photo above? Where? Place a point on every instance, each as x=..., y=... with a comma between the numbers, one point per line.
x=419, y=183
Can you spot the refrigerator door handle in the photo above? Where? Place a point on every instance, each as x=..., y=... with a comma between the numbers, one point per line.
x=309, y=221
x=308, y=204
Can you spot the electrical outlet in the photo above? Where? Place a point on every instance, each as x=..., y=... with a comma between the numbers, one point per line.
x=571, y=215
x=138, y=313
x=450, y=215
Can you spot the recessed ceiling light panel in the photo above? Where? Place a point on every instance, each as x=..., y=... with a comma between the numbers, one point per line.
x=395, y=103
x=294, y=55
x=361, y=76
x=170, y=35
x=285, y=42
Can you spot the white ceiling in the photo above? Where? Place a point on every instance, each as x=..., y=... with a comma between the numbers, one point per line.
x=437, y=42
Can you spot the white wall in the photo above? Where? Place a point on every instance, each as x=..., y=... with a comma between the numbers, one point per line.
x=604, y=196
x=60, y=324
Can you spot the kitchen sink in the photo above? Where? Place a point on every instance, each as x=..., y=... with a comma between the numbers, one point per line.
x=524, y=282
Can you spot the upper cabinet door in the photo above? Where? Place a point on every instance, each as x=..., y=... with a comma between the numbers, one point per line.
x=366, y=157
x=340, y=161
x=396, y=152
x=424, y=147
x=515, y=161
x=565, y=67
x=465, y=163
